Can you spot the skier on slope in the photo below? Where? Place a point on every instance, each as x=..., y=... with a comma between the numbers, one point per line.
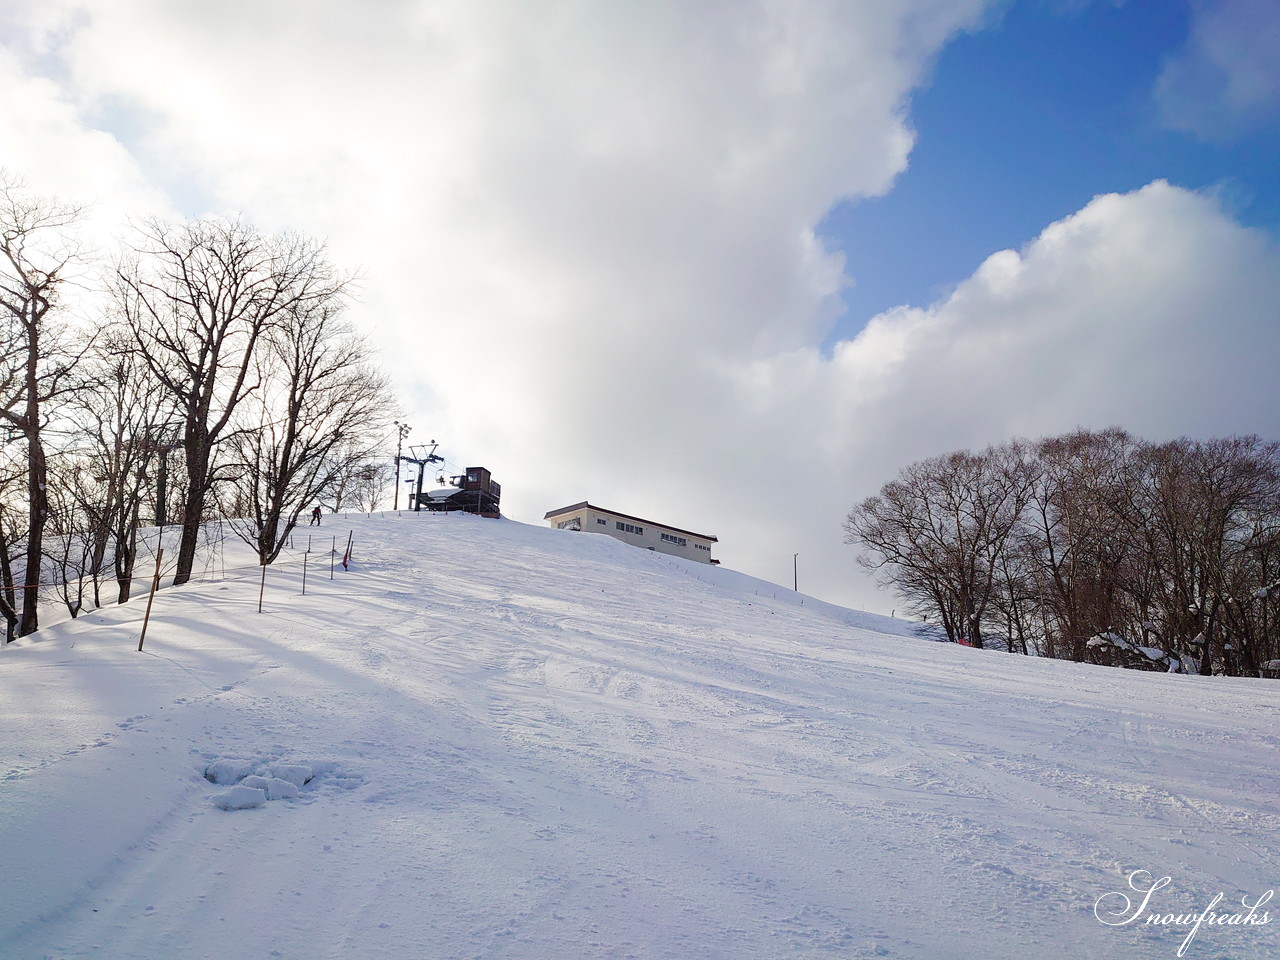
x=315, y=517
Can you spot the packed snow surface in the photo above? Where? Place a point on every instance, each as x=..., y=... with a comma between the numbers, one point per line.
x=490, y=740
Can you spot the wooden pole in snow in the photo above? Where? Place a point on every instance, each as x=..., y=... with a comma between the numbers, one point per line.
x=155, y=582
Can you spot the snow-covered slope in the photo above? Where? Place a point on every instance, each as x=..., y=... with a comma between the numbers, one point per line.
x=527, y=743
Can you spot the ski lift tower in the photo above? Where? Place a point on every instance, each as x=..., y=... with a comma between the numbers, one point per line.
x=422, y=459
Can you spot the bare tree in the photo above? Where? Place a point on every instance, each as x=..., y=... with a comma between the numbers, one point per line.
x=1074, y=540
x=37, y=257
x=360, y=485
x=319, y=411
x=1092, y=545
x=200, y=297
x=12, y=480
x=72, y=533
x=128, y=426
x=1210, y=517
x=938, y=531
x=370, y=482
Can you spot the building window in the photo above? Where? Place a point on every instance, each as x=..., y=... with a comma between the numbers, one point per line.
x=629, y=528
x=678, y=541
x=602, y=521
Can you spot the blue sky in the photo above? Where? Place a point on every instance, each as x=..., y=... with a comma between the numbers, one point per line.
x=1022, y=124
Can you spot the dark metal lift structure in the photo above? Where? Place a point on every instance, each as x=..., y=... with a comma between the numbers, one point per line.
x=422, y=459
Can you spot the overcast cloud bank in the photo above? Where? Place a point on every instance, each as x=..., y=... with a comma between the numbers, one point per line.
x=588, y=249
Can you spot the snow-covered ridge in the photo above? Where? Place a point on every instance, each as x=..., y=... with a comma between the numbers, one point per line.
x=528, y=743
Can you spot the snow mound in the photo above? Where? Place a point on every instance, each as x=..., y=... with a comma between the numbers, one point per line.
x=273, y=787
x=240, y=798
x=272, y=780
x=228, y=770
x=299, y=774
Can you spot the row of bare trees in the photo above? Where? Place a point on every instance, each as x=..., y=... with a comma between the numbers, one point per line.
x=1093, y=546
x=202, y=369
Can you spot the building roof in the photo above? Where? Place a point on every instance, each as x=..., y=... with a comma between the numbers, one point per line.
x=626, y=516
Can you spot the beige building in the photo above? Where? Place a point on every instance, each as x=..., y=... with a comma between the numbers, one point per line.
x=635, y=531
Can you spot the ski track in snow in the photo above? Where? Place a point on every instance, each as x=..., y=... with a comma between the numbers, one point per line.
x=535, y=744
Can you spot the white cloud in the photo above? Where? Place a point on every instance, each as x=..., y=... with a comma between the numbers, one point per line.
x=586, y=237
x=1152, y=310
x=43, y=139
x=1226, y=81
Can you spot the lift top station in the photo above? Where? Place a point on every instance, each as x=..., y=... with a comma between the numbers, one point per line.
x=474, y=491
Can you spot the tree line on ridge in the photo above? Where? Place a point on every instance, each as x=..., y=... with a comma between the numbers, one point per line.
x=1092, y=546
x=201, y=369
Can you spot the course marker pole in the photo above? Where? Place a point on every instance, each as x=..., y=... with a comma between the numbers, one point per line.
x=155, y=581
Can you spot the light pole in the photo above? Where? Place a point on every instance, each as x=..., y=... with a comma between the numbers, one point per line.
x=795, y=573
x=402, y=431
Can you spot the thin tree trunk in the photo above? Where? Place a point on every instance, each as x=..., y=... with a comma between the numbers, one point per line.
x=38, y=511
x=125, y=553
x=197, y=477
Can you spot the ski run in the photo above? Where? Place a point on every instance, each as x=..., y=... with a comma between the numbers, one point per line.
x=493, y=740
